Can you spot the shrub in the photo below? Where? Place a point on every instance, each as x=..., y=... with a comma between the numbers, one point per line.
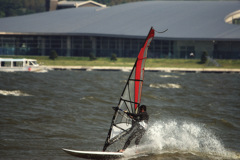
x=92, y=57
x=113, y=57
x=53, y=55
x=204, y=57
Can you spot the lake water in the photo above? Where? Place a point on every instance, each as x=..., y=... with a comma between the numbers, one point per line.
x=192, y=115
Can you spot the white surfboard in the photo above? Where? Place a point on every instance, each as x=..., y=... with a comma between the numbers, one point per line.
x=94, y=154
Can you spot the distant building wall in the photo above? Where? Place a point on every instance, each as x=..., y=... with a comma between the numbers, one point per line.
x=51, y=5
x=123, y=47
x=226, y=49
x=185, y=47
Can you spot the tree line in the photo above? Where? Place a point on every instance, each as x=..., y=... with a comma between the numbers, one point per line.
x=20, y=7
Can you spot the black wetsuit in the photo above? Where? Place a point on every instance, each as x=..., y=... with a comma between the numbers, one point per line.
x=139, y=130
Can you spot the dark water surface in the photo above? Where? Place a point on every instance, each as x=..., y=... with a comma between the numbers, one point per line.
x=192, y=115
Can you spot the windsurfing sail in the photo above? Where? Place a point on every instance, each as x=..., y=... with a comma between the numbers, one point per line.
x=131, y=97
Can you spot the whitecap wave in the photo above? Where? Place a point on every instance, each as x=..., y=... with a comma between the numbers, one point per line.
x=183, y=137
x=168, y=85
x=13, y=93
x=168, y=76
x=86, y=98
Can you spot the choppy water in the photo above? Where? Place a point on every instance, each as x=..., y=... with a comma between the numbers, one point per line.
x=192, y=115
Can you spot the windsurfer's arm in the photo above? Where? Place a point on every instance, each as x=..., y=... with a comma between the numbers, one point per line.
x=132, y=115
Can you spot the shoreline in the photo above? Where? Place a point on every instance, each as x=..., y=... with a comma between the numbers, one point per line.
x=157, y=69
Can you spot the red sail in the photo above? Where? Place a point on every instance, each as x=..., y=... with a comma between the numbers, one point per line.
x=140, y=64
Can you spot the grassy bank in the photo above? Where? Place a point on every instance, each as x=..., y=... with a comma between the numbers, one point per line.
x=128, y=62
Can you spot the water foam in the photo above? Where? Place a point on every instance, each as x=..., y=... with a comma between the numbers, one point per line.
x=168, y=85
x=13, y=93
x=168, y=76
x=182, y=137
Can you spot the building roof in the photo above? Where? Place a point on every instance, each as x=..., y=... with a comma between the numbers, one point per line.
x=76, y=4
x=183, y=19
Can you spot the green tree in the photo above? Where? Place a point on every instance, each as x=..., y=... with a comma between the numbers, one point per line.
x=92, y=57
x=113, y=57
x=2, y=14
x=20, y=7
x=204, y=57
x=53, y=55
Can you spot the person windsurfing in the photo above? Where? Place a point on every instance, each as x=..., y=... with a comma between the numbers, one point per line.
x=140, y=126
x=134, y=122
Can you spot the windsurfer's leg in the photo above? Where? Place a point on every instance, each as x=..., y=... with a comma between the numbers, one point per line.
x=130, y=138
x=139, y=136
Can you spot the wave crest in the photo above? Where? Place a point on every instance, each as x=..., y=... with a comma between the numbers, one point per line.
x=13, y=93
x=168, y=76
x=168, y=85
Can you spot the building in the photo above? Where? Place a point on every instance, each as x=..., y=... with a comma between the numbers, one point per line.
x=193, y=27
x=52, y=5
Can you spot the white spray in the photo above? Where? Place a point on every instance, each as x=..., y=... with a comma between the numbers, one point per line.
x=183, y=137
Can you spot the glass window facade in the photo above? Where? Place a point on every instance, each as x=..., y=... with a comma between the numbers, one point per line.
x=83, y=46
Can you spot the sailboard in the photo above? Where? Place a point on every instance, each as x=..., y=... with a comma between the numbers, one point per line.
x=130, y=99
x=94, y=154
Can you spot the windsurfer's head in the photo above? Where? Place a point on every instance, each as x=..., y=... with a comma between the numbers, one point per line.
x=143, y=108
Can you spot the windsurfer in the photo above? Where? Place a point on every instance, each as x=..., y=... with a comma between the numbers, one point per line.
x=140, y=125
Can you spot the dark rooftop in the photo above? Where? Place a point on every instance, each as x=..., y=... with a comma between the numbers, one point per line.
x=183, y=19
